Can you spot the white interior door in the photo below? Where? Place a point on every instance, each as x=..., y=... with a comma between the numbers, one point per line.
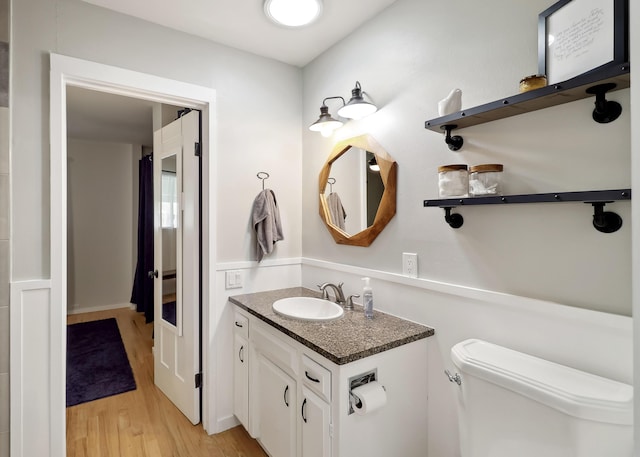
x=177, y=263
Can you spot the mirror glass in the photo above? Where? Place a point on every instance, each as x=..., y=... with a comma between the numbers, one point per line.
x=169, y=217
x=358, y=190
x=354, y=191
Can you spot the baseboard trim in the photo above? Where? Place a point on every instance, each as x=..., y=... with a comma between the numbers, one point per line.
x=77, y=309
x=225, y=423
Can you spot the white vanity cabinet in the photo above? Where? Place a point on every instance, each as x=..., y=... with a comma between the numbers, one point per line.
x=316, y=425
x=276, y=402
x=241, y=368
x=299, y=400
x=315, y=411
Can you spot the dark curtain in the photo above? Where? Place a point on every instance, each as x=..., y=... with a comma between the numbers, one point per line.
x=142, y=294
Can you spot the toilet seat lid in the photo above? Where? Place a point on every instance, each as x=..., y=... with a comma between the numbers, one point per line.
x=574, y=392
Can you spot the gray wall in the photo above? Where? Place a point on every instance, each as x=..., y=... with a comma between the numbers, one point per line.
x=100, y=220
x=400, y=59
x=407, y=59
x=4, y=228
x=258, y=117
x=507, y=274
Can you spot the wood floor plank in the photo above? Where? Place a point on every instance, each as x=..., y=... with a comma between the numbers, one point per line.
x=143, y=422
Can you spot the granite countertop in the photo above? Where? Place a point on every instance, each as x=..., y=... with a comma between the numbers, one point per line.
x=343, y=340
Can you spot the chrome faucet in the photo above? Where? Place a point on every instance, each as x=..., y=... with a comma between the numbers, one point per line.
x=337, y=291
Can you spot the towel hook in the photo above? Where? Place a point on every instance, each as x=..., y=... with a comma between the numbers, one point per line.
x=331, y=182
x=262, y=175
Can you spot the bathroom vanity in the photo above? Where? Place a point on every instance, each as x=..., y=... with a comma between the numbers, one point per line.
x=293, y=380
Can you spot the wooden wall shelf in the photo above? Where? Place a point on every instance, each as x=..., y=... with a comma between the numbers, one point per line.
x=603, y=221
x=545, y=97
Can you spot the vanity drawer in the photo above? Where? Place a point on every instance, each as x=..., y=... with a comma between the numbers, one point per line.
x=241, y=325
x=272, y=347
x=316, y=377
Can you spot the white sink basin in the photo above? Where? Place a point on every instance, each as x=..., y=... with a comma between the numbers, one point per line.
x=308, y=308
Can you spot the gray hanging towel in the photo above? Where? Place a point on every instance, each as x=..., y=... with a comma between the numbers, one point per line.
x=336, y=210
x=266, y=222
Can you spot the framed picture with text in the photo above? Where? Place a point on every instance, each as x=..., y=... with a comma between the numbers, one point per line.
x=579, y=36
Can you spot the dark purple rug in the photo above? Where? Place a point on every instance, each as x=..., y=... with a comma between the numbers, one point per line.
x=97, y=363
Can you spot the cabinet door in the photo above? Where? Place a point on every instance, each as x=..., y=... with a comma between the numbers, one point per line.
x=276, y=409
x=241, y=380
x=315, y=415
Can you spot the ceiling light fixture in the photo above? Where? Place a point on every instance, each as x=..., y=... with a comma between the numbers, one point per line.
x=293, y=13
x=357, y=108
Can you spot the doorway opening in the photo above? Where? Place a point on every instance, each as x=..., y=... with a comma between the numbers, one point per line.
x=67, y=72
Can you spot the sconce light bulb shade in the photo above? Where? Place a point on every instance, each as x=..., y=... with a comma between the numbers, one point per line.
x=325, y=123
x=373, y=164
x=293, y=13
x=357, y=107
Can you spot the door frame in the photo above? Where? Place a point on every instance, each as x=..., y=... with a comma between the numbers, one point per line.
x=69, y=71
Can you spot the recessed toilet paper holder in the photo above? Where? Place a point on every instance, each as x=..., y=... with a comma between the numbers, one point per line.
x=357, y=381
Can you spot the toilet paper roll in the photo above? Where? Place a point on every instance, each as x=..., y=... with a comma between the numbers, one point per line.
x=372, y=396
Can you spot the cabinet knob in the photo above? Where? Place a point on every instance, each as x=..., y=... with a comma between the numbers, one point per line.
x=302, y=411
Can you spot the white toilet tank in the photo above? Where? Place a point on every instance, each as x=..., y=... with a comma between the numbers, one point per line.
x=513, y=404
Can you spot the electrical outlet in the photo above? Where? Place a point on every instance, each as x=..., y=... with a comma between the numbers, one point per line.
x=410, y=264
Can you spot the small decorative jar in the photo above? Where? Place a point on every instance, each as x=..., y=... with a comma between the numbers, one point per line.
x=485, y=179
x=453, y=181
x=532, y=82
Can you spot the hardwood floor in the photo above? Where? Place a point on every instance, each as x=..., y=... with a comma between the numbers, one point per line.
x=143, y=422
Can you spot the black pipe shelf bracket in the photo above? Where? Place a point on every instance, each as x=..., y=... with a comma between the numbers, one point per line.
x=454, y=142
x=603, y=221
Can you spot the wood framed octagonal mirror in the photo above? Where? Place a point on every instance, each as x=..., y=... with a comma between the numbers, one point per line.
x=357, y=190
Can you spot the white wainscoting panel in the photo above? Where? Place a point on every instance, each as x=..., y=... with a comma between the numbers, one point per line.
x=30, y=372
x=256, y=277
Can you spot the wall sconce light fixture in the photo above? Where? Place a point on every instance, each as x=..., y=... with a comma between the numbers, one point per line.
x=356, y=108
x=325, y=123
x=373, y=164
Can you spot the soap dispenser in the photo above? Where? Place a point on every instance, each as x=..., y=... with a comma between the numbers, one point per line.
x=367, y=299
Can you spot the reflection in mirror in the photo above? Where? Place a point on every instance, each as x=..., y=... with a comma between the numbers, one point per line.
x=169, y=217
x=375, y=187
x=358, y=191
x=355, y=190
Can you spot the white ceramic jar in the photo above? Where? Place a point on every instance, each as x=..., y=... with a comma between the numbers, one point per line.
x=485, y=180
x=453, y=181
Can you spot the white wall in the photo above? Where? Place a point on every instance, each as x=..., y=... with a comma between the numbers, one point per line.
x=407, y=59
x=270, y=274
x=258, y=118
x=634, y=32
x=527, y=276
x=4, y=234
x=257, y=128
x=575, y=337
x=100, y=239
